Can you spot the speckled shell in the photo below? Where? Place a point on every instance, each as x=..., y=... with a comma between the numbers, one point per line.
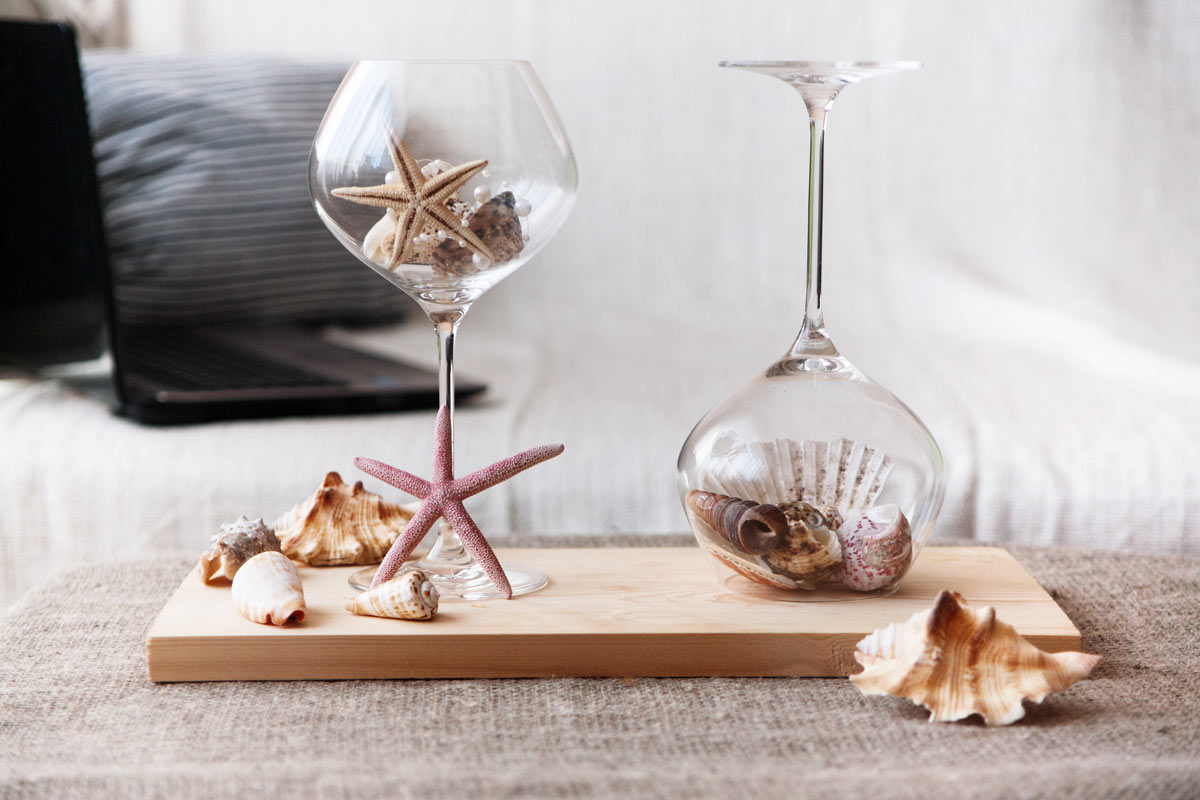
x=809, y=552
x=341, y=524
x=957, y=661
x=750, y=527
x=409, y=595
x=876, y=549
x=236, y=544
x=267, y=590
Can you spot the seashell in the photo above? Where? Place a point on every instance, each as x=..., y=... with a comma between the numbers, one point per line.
x=409, y=595
x=752, y=570
x=267, y=589
x=809, y=552
x=876, y=549
x=372, y=246
x=751, y=527
x=236, y=544
x=497, y=225
x=957, y=661
x=842, y=473
x=341, y=524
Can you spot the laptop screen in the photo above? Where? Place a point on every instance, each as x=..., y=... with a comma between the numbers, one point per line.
x=51, y=271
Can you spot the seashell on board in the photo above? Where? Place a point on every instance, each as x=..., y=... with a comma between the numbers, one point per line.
x=957, y=661
x=267, y=590
x=236, y=544
x=751, y=570
x=341, y=524
x=409, y=595
x=751, y=527
x=843, y=473
x=809, y=552
x=876, y=549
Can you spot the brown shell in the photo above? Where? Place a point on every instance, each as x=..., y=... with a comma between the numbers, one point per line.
x=754, y=572
x=341, y=524
x=957, y=661
x=236, y=544
x=750, y=527
x=809, y=551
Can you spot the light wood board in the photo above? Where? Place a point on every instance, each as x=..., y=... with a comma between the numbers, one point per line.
x=606, y=612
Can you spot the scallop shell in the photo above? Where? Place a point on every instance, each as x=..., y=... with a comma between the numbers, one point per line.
x=957, y=661
x=876, y=549
x=842, y=473
x=809, y=552
x=236, y=544
x=748, y=526
x=267, y=589
x=409, y=595
x=341, y=524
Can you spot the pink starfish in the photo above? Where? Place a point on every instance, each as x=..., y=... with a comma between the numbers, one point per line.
x=443, y=498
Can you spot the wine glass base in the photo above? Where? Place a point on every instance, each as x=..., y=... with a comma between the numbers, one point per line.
x=468, y=582
x=824, y=593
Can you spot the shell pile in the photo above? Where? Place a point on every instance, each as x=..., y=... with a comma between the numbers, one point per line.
x=236, y=544
x=409, y=595
x=796, y=514
x=267, y=590
x=341, y=524
x=957, y=661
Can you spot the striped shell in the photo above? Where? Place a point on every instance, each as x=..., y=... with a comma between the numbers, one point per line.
x=750, y=527
x=267, y=590
x=809, y=552
x=236, y=544
x=409, y=595
x=876, y=549
x=957, y=661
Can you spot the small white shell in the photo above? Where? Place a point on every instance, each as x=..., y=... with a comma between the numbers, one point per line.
x=409, y=595
x=267, y=589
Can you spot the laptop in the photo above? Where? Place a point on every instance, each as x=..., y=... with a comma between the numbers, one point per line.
x=57, y=298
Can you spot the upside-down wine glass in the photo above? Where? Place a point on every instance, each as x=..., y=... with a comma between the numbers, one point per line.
x=812, y=481
x=479, y=224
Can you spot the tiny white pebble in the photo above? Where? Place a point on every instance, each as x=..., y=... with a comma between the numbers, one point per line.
x=522, y=207
x=480, y=262
x=392, y=178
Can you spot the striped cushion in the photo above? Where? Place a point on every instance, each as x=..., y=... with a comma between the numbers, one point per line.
x=203, y=168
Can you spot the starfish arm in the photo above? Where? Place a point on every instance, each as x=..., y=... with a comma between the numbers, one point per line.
x=455, y=227
x=408, y=539
x=501, y=471
x=408, y=226
x=404, y=481
x=382, y=196
x=472, y=539
x=443, y=447
x=443, y=186
x=410, y=172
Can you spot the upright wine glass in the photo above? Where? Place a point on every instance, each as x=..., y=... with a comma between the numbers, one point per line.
x=812, y=481
x=444, y=177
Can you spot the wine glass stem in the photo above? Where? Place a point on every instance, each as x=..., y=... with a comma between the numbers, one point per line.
x=814, y=317
x=445, y=323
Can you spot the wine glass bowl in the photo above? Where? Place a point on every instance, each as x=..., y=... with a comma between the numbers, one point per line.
x=812, y=481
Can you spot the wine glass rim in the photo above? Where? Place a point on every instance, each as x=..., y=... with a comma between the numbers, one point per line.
x=820, y=65
x=514, y=61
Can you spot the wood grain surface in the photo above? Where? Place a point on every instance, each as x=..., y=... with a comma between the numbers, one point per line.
x=607, y=612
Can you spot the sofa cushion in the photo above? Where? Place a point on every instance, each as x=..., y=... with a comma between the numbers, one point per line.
x=204, y=181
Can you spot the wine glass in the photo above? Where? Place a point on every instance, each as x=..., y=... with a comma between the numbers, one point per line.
x=812, y=481
x=481, y=148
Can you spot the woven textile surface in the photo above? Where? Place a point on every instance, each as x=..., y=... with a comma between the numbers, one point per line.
x=78, y=717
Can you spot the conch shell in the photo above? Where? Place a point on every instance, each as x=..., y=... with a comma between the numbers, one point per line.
x=267, y=590
x=410, y=595
x=237, y=543
x=957, y=661
x=876, y=549
x=341, y=524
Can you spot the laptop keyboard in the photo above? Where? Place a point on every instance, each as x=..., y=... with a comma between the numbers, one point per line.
x=180, y=362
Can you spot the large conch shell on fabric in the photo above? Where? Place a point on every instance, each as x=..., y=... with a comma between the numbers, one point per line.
x=341, y=524
x=958, y=661
x=267, y=590
x=236, y=544
x=409, y=595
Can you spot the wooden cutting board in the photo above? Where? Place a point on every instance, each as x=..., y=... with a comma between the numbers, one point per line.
x=606, y=612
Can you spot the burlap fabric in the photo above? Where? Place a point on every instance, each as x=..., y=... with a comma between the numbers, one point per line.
x=78, y=717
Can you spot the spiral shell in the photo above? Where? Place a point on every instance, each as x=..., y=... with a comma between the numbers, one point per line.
x=957, y=661
x=236, y=544
x=809, y=552
x=751, y=527
x=267, y=590
x=409, y=595
x=876, y=549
